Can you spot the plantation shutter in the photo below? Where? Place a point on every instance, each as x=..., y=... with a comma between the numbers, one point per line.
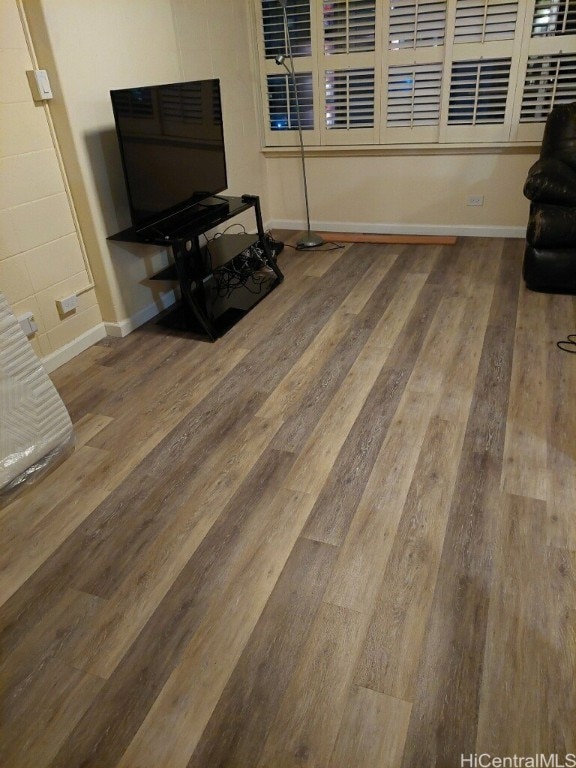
x=277, y=87
x=349, y=84
x=483, y=51
x=416, y=71
x=478, y=22
x=413, y=67
x=548, y=65
x=274, y=29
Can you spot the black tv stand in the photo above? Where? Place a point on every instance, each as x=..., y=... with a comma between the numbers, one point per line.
x=215, y=201
x=219, y=281
x=197, y=215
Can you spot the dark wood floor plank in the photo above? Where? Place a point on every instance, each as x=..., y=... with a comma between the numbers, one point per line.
x=530, y=650
x=157, y=563
x=53, y=639
x=446, y=701
x=42, y=696
x=88, y=560
x=400, y=619
x=315, y=461
x=100, y=739
x=362, y=562
x=372, y=732
x=562, y=657
x=337, y=503
x=444, y=717
x=460, y=268
x=237, y=730
x=300, y=423
x=29, y=539
x=191, y=693
x=561, y=424
x=289, y=337
x=110, y=388
x=525, y=470
x=57, y=700
x=390, y=659
x=315, y=399
x=306, y=726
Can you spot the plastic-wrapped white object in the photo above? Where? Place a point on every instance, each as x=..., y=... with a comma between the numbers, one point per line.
x=35, y=428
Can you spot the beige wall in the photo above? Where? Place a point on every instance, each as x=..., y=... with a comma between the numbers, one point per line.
x=90, y=48
x=412, y=194
x=214, y=41
x=40, y=255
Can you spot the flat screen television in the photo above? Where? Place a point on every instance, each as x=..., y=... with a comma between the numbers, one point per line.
x=171, y=141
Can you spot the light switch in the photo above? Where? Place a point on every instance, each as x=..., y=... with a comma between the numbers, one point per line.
x=39, y=84
x=28, y=324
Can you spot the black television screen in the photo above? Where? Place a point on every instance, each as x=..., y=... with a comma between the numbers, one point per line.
x=172, y=146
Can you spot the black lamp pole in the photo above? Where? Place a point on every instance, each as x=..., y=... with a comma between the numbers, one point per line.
x=310, y=239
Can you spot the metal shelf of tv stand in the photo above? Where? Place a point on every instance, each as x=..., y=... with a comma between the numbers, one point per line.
x=194, y=265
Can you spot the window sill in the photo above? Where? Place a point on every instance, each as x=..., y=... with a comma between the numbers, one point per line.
x=377, y=150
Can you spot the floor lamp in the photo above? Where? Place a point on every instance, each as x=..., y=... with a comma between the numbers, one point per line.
x=310, y=239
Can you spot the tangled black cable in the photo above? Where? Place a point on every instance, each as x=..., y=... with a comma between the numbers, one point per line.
x=247, y=270
x=224, y=231
x=568, y=344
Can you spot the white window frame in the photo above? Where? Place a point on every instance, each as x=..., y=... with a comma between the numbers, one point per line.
x=509, y=131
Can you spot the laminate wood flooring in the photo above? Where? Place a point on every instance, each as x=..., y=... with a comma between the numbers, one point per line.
x=342, y=536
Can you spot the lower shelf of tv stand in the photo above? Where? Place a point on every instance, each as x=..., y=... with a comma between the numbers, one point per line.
x=225, y=310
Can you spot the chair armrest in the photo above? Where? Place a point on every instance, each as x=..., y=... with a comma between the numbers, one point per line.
x=551, y=181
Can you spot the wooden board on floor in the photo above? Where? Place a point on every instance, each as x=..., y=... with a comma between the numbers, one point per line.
x=361, y=237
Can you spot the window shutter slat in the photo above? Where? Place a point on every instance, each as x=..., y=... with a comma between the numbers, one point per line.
x=550, y=80
x=349, y=98
x=414, y=95
x=478, y=92
x=417, y=23
x=282, y=102
x=554, y=17
x=478, y=21
x=275, y=42
x=349, y=26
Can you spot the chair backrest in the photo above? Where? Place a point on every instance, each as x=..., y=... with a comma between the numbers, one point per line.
x=560, y=134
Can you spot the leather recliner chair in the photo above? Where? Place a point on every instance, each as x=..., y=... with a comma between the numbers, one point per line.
x=550, y=255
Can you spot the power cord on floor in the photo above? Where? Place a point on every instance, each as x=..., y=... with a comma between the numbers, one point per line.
x=568, y=344
x=334, y=247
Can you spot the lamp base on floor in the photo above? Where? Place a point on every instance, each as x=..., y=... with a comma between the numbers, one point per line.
x=309, y=240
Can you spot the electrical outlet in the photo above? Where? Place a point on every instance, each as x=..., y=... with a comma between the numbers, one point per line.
x=67, y=304
x=28, y=324
x=475, y=200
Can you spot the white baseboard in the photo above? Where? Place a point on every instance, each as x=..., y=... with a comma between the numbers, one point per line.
x=68, y=351
x=463, y=230
x=124, y=327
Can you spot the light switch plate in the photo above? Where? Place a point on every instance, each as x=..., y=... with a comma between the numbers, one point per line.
x=39, y=84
